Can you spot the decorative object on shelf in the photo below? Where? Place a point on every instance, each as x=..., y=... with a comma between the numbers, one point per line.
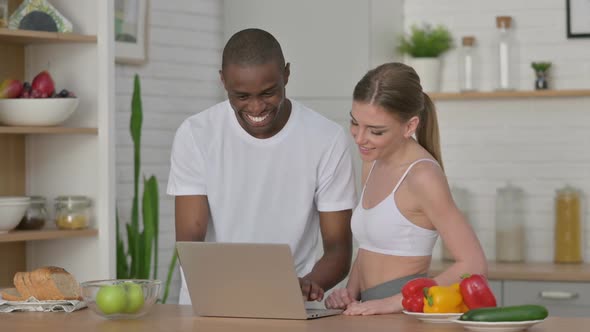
x=136, y=261
x=3, y=13
x=541, y=72
x=510, y=225
x=506, y=56
x=423, y=47
x=467, y=64
x=131, y=31
x=568, y=226
x=578, y=24
x=39, y=15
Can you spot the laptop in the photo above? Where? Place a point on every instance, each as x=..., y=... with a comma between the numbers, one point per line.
x=244, y=280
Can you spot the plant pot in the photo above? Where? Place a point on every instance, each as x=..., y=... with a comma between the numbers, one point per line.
x=429, y=71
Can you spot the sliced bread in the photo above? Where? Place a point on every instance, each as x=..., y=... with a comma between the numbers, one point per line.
x=11, y=294
x=47, y=283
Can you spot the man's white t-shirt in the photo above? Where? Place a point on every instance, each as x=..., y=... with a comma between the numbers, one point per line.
x=264, y=190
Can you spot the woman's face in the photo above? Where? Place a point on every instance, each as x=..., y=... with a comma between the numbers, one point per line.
x=377, y=132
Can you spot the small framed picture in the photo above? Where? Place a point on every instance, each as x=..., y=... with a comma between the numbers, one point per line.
x=131, y=31
x=578, y=18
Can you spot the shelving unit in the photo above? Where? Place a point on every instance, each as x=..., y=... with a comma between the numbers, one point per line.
x=45, y=234
x=36, y=37
x=48, y=130
x=508, y=94
x=76, y=158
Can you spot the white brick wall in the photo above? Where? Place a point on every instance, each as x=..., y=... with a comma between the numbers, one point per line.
x=537, y=144
x=179, y=80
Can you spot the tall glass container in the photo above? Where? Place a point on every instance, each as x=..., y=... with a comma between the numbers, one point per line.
x=505, y=48
x=461, y=198
x=510, y=226
x=568, y=226
x=467, y=64
x=3, y=13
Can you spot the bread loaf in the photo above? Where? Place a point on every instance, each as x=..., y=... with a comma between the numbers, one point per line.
x=11, y=294
x=45, y=283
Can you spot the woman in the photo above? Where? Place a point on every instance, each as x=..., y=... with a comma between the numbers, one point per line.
x=406, y=201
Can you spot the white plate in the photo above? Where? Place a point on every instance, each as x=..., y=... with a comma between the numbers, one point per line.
x=434, y=318
x=497, y=326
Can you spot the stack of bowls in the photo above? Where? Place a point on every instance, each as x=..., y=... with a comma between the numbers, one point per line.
x=12, y=210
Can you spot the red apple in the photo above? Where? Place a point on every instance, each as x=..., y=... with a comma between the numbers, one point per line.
x=10, y=88
x=43, y=84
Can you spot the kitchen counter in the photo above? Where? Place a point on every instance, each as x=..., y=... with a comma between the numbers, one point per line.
x=528, y=271
x=169, y=317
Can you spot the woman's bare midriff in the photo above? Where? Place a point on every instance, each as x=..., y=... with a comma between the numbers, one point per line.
x=375, y=268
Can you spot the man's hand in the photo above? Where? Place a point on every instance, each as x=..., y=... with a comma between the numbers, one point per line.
x=339, y=299
x=310, y=290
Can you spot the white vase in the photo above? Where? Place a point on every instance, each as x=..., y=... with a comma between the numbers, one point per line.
x=429, y=71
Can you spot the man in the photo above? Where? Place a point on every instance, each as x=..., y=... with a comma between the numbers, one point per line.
x=261, y=168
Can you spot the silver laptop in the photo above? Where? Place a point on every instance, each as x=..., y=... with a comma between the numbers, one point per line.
x=244, y=280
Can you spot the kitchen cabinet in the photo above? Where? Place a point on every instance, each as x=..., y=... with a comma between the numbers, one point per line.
x=75, y=158
x=565, y=299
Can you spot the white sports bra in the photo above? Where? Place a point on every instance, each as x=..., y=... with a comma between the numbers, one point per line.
x=384, y=229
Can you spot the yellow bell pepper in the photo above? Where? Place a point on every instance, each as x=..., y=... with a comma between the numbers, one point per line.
x=444, y=299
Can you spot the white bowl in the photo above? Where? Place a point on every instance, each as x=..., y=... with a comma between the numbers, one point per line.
x=12, y=210
x=36, y=111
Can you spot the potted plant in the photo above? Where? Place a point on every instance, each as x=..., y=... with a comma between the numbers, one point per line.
x=135, y=261
x=541, y=69
x=423, y=47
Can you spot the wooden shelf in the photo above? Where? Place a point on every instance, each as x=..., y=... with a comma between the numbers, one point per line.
x=47, y=130
x=508, y=94
x=50, y=234
x=38, y=37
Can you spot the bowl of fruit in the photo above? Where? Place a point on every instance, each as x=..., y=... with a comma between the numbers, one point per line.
x=121, y=298
x=35, y=104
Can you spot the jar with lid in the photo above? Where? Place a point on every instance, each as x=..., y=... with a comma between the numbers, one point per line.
x=568, y=226
x=510, y=226
x=467, y=64
x=35, y=216
x=506, y=54
x=3, y=13
x=72, y=212
x=461, y=198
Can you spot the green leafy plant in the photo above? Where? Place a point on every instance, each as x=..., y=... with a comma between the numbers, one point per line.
x=426, y=41
x=136, y=261
x=541, y=66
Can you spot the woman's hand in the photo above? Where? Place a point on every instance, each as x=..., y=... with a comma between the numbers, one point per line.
x=339, y=299
x=373, y=307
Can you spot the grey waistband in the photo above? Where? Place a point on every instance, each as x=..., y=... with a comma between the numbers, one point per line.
x=388, y=288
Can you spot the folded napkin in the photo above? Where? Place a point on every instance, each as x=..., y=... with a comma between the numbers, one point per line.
x=32, y=304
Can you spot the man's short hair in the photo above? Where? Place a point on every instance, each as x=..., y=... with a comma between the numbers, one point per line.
x=252, y=47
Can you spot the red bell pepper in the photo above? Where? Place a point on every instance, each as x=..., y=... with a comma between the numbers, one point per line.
x=476, y=292
x=413, y=293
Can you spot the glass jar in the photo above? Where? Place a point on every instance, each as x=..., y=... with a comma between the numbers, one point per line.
x=3, y=13
x=36, y=215
x=467, y=64
x=510, y=232
x=461, y=198
x=568, y=226
x=506, y=54
x=72, y=212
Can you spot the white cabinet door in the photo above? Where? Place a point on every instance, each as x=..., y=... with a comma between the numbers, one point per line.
x=496, y=286
x=566, y=299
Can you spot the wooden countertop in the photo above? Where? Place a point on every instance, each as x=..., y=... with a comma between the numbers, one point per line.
x=528, y=271
x=169, y=317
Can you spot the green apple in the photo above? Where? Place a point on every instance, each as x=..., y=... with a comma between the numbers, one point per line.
x=134, y=297
x=111, y=299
